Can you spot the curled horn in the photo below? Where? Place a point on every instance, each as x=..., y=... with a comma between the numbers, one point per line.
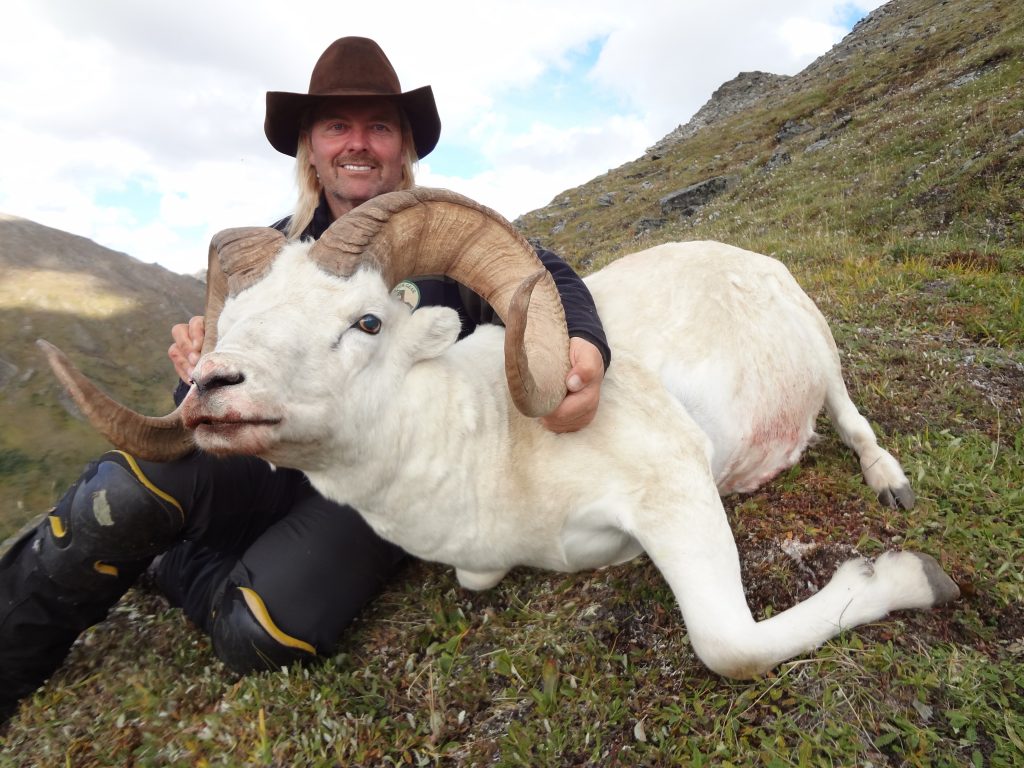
x=155, y=438
x=238, y=258
x=432, y=231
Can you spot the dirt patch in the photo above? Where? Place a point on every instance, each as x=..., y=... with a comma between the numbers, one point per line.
x=1001, y=383
x=975, y=261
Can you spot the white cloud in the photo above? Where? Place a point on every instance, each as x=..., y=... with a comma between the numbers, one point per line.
x=532, y=167
x=808, y=38
x=139, y=125
x=669, y=58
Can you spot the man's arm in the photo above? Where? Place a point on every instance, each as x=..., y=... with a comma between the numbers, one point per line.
x=589, y=353
x=580, y=311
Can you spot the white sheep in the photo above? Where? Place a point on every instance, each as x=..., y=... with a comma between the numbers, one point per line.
x=721, y=365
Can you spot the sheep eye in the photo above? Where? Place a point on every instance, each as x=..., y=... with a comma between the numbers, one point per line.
x=368, y=324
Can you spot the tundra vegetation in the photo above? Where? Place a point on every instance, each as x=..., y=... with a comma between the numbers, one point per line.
x=907, y=230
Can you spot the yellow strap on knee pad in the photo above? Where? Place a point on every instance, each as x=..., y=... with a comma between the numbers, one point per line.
x=57, y=527
x=145, y=481
x=59, y=531
x=259, y=610
x=106, y=569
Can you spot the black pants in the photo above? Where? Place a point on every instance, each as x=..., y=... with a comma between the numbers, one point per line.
x=248, y=530
x=314, y=563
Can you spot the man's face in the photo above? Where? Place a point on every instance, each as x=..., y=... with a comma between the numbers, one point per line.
x=356, y=149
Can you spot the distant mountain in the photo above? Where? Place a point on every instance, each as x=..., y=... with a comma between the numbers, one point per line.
x=112, y=314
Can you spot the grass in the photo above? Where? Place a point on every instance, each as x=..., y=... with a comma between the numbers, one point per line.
x=907, y=230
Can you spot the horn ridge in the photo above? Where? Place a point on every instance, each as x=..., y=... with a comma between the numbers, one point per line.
x=430, y=231
x=238, y=258
x=161, y=438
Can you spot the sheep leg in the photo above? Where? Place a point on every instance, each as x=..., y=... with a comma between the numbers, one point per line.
x=478, y=581
x=881, y=470
x=696, y=553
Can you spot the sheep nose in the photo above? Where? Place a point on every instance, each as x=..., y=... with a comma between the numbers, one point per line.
x=215, y=375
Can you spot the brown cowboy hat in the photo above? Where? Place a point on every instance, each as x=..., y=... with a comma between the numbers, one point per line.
x=351, y=66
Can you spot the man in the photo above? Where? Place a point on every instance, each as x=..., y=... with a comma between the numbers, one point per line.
x=269, y=569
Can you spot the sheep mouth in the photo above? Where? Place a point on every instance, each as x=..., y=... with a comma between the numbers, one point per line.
x=234, y=435
x=226, y=424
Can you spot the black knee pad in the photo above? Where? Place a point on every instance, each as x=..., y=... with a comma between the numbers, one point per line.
x=246, y=638
x=112, y=514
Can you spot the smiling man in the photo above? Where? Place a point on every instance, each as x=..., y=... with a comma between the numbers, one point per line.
x=356, y=150
x=272, y=571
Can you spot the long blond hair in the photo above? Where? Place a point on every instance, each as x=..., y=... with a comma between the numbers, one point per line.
x=310, y=187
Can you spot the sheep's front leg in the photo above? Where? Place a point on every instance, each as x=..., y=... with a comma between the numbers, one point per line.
x=694, y=548
x=478, y=581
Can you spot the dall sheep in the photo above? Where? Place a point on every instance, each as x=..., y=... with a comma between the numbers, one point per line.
x=721, y=365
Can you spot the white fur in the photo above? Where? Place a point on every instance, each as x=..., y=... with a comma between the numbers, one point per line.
x=720, y=366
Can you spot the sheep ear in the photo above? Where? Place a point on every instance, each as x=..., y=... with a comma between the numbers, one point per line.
x=431, y=331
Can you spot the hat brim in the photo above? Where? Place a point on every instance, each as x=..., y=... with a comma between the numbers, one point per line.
x=285, y=112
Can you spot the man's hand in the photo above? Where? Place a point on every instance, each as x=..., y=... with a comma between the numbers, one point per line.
x=188, y=344
x=584, y=384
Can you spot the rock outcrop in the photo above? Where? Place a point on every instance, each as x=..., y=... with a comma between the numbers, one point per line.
x=732, y=97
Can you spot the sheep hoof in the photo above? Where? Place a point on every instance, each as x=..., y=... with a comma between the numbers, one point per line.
x=901, y=497
x=943, y=588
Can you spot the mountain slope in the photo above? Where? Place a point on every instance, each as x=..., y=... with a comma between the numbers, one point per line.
x=910, y=129
x=112, y=314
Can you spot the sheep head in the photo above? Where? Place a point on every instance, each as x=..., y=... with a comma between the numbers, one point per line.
x=297, y=398
x=400, y=234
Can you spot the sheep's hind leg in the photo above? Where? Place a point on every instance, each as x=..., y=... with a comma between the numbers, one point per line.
x=695, y=551
x=881, y=470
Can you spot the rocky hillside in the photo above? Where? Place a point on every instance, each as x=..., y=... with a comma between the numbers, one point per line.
x=742, y=92
x=111, y=314
x=910, y=129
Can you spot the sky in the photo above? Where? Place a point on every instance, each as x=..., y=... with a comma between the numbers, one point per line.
x=139, y=124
